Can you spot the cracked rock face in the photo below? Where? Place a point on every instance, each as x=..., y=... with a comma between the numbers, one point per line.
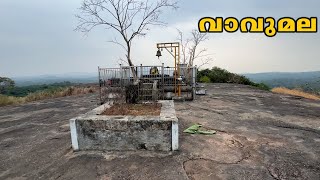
x=260, y=135
x=206, y=169
x=223, y=148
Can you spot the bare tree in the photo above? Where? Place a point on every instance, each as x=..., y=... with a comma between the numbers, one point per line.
x=184, y=43
x=129, y=18
x=189, y=48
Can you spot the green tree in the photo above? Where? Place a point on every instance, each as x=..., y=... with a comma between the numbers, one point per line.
x=6, y=85
x=205, y=79
x=218, y=75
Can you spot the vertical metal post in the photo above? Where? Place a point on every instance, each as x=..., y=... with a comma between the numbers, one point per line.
x=100, y=85
x=121, y=76
x=136, y=73
x=194, y=74
x=140, y=89
x=175, y=72
x=162, y=80
x=178, y=61
x=141, y=71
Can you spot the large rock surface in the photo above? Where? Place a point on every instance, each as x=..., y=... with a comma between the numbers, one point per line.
x=260, y=135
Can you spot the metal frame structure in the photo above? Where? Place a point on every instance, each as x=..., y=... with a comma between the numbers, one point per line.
x=147, y=82
x=176, y=56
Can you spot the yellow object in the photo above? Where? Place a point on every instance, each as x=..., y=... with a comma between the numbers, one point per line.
x=154, y=71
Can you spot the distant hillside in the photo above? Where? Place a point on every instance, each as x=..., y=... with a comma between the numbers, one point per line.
x=309, y=81
x=50, y=79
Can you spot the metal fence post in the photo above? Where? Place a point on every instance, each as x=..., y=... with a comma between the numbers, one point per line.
x=100, y=85
x=162, y=80
x=141, y=71
x=194, y=73
x=121, y=76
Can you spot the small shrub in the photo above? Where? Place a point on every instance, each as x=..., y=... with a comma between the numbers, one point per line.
x=205, y=79
x=262, y=86
x=46, y=94
x=10, y=100
x=91, y=90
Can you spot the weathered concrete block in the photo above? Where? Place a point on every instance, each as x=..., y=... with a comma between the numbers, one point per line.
x=93, y=131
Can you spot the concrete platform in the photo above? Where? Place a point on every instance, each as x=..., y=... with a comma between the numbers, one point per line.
x=93, y=131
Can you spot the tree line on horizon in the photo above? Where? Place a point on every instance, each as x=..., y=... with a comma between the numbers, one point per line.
x=8, y=87
x=219, y=75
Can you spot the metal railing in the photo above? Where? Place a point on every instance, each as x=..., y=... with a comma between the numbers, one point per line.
x=146, y=83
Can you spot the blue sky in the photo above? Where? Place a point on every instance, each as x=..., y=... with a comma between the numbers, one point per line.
x=37, y=37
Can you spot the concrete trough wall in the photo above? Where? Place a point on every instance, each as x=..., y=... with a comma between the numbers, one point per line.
x=93, y=131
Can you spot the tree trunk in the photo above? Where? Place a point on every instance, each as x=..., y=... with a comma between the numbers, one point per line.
x=134, y=73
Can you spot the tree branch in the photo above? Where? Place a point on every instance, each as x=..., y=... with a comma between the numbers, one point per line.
x=130, y=18
x=189, y=48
